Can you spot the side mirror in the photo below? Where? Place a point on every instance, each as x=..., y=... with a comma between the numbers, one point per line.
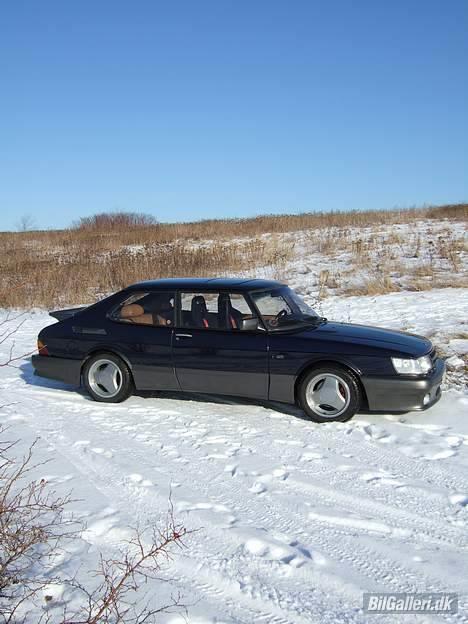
x=250, y=324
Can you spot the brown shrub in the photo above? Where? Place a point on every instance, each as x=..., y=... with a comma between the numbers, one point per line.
x=117, y=220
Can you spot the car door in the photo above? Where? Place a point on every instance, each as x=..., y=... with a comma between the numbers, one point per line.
x=142, y=332
x=215, y=356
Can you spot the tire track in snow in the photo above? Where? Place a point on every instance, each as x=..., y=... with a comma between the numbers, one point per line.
x=279, y=514
x=253, y=600
x=359, y=562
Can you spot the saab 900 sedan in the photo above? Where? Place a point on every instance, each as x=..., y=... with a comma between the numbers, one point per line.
x=239, y=337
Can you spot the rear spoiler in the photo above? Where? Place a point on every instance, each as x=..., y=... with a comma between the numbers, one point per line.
x=61, y=315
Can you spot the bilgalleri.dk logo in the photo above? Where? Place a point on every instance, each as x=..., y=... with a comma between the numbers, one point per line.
x=410, y=602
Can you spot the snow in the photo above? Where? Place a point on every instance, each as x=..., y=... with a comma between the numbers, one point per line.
x=420, y=255
x=292, y=521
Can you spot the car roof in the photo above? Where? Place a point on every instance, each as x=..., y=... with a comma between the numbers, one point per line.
x=206, y=283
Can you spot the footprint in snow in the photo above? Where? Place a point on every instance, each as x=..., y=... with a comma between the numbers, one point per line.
x=459, y=499
x=100, y=451
x=432, y=453
x=258, y=488
x=454, y=441
x=282, y=550
x=381, y=478
x=231, y=468
x=223, y=520
x=280, y=473
x=260, y=484
x=379, y=434
x=289, y=442
x=137, y=479
x=105, y=524
x=355, y=522
x=311, y=456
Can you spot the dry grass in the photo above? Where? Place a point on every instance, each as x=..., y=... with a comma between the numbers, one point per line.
x=104, y=253
x=419, y=254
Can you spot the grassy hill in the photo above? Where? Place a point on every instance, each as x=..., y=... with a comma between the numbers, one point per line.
x=346, y=253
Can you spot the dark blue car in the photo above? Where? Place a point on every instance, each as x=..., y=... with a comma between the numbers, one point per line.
x=238, y=337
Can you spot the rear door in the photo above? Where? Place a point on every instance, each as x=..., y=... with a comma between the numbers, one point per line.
x=214, y=357
x=142, y=331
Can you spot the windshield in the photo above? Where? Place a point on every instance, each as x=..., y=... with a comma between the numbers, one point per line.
x=282, y=307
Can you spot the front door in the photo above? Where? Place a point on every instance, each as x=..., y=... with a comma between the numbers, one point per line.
x=217, y=347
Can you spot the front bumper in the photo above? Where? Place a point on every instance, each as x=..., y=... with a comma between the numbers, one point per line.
x=404, y=394
x=62, y=369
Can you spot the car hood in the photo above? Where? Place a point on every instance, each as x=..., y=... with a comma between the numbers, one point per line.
x=409, y=344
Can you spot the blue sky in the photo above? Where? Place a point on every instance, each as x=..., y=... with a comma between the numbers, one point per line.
x=199, y=109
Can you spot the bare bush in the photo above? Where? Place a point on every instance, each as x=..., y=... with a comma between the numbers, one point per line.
x=33, y=527
x=115, y=221
x=9, y=326
x=25, y=223
x=450, y=211
x=118, y=595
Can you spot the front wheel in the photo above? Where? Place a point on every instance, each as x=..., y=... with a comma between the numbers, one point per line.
x=330, y=394
x=107, y=378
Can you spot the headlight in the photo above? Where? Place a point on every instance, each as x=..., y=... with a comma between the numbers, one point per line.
x=421, y=366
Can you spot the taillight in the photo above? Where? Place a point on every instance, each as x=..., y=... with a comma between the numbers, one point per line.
x=42, y=348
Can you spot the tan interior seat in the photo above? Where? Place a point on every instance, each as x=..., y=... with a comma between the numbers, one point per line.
x=131, y=311
x=135, y=313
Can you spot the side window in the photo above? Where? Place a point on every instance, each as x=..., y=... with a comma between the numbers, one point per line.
x=146, y=308
x=269, y=306
x=221, y=310
x=199, y=310
x=235, y=313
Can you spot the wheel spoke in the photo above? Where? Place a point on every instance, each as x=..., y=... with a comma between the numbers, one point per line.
x=105, y=378
x=328, y=395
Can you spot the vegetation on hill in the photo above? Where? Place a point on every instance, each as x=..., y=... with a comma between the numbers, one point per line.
x=105, y=252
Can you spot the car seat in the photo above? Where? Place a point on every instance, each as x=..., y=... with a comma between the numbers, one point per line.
x=228, y=317
x=132, y=310
x=199, y=312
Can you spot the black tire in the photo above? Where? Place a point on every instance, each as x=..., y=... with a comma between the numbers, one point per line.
x=107, y=378
x=343, y=393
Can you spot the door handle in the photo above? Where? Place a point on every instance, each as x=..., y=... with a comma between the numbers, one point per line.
x=178, y=336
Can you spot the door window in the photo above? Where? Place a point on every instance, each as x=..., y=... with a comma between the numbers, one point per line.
x=146, y=308
x=216, y=310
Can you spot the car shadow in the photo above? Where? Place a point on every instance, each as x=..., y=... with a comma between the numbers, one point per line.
x=282, y=408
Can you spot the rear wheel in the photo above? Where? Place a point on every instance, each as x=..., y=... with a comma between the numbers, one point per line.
x=107, y=378
x=330, y=393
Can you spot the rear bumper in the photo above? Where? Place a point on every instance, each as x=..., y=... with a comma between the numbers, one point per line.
x=404, y=394
x=62, y=369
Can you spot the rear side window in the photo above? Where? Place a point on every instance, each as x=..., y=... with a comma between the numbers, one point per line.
x=146, y=308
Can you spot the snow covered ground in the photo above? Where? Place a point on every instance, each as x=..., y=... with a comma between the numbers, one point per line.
x=415, y=256
x=294, y=521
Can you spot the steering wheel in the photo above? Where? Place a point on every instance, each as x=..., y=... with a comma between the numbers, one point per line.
x=281, y=314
